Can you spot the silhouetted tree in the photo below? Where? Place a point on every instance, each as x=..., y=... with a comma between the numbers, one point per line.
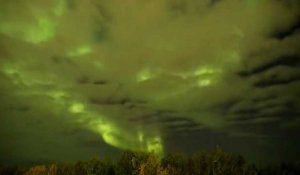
x=215, y=162
x=65, y=169
x=37, y=170
x=130, y=163
x=150, y=165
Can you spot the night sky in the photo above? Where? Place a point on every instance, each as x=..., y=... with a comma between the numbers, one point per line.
x=86, y=78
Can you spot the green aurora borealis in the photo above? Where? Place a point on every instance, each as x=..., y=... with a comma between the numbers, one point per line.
x=147, y=75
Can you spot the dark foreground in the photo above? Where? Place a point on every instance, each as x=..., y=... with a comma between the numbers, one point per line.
x=215, y=162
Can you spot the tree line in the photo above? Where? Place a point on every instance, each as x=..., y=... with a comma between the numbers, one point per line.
x=214, y=162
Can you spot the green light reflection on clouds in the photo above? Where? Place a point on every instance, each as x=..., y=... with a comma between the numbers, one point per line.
x=82, y=50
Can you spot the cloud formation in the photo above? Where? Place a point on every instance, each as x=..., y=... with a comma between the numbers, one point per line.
x=132, y=74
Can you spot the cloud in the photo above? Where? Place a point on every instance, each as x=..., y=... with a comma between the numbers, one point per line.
x=129, y=74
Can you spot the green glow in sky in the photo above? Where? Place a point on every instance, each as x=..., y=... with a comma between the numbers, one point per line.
x=19, y=76
x=57, y=95
x=120, y=138
x=42, y=30
x=9, y=69
x=60, y=8
x=133, y=73
x=144, y=75
x=107, y=131
x=141, y=136
x=83, y=50
x=112, y=134
x=76, y=108
x=154, y=145
x=204, y=82
x=206, y=71
x=206, y=75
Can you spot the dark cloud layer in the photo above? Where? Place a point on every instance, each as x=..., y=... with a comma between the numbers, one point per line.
x=86, y=78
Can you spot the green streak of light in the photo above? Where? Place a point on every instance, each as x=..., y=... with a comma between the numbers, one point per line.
x=57, y=95
x=112, y=133
x=85, y=49
x=9, y=69
x=36, y=33
x=140, y=136
x=205, y=70
x=41, y=30
x=107, y=131
x=44, y=30
x=77, y=107
x=204, y=82
x=144, y=75
x=120, y=138
x=154, y=145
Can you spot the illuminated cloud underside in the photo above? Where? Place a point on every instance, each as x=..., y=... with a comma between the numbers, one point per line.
x=96, y=122
x=150, y=60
